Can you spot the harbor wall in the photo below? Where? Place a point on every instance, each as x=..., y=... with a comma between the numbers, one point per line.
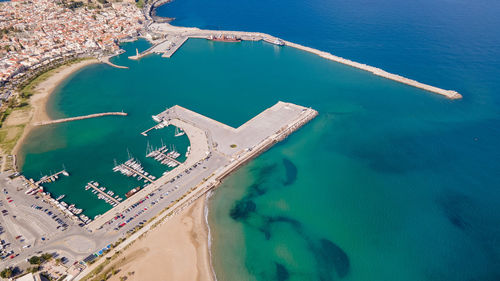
x=79, y=118
x=190, y=32
x=377, y=71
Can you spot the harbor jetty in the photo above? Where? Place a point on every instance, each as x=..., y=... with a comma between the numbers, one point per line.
x=166, y=47
x=51, y=178
x=101, y=190
x=108, y=62
x=133, y=168
x=160, y=125
x=216, y=150
x=43, y=123
x=180, y=35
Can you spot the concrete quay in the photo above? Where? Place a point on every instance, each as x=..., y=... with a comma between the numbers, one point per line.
x=189, y=32
x=218, y=147
x=79, y=118
x=166, y=47
x=271, y=126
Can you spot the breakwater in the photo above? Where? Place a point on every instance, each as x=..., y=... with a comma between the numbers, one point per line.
x=377, y=71
x=95, y=115
x=187, y=32
x=108, y=62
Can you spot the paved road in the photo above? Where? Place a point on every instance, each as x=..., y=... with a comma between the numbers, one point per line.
x=76, y=242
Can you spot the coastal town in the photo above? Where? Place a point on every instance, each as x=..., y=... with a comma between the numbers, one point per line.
x=40, y=32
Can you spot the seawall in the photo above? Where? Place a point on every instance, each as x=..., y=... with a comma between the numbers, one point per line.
x=189, y=32
x=79, y=118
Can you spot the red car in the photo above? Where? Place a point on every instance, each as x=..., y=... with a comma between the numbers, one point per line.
x=10, y=201
x=11, y=256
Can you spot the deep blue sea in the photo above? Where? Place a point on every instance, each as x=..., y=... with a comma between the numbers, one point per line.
x=406, y=190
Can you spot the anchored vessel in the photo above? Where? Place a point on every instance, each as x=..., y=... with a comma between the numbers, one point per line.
x=224, y=38
x=275, y=41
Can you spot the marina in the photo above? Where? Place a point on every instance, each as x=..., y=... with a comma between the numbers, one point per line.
x=133, y=168
x=210, y=157
x=164, y=157
x=102, y=194
x=218, y=147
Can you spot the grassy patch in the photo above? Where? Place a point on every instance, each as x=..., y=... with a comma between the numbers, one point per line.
x=10, y=134
x=140, y=4
x=9, y=137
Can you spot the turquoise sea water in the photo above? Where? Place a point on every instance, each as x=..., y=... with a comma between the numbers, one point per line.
x=407, y=186
x=387, y=183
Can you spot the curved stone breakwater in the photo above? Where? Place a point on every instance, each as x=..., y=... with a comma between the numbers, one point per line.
x=176, y=36
x=108, y=62
x=79, y=118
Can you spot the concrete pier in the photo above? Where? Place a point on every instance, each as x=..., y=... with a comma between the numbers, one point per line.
x=144, y=177
x=104, y=194
x=80, y=118
x=170, y=158
x=45, y=179
x=219, y=148
x=167, y=47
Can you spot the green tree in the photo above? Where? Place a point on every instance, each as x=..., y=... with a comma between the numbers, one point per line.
x=46, y=256
x=6, y=273
x=35, y=260
x=33, y=269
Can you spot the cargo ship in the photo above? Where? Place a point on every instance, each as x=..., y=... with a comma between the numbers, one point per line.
x=132, y=192
x=224, y=38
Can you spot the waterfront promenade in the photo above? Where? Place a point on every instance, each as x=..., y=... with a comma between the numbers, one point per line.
x=181, y=34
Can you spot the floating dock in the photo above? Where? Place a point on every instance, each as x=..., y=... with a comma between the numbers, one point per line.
x=51, y=178
x=109, y=197
x=165, y=158
x=160, y=125
x=134, y=168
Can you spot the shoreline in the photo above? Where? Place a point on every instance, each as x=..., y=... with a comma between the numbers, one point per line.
x=209, y=233
x=42, y=93
x=174, y=250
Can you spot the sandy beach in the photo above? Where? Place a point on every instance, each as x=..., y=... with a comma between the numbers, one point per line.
x=175, y=250
x=42, y=93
